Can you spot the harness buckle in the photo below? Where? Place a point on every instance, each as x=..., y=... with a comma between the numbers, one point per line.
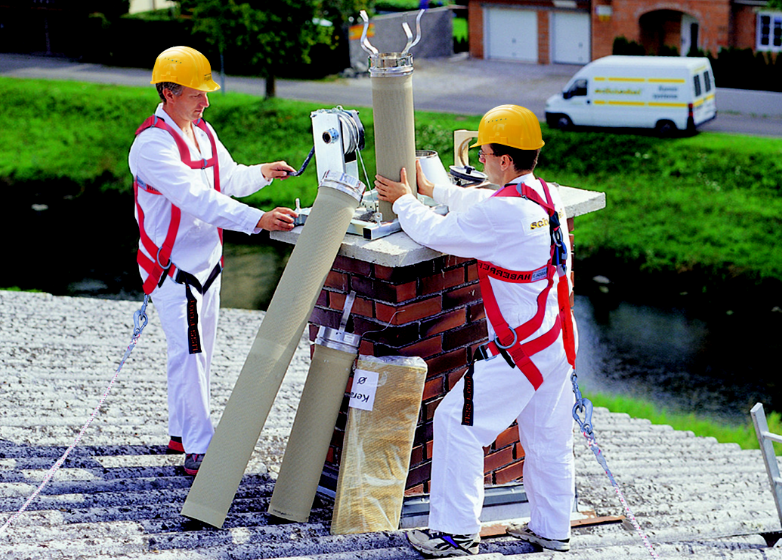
x=160, y=264
x=511, y=345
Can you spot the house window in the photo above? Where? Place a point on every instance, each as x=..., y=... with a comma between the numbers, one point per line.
x=769, y=31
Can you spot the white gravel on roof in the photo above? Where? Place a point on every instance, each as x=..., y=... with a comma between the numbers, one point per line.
x=118, y=496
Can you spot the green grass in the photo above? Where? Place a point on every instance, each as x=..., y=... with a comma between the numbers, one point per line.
x=743, y=434
x=708, y=204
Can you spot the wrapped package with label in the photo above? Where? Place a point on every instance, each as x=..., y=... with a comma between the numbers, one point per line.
x=385, y=402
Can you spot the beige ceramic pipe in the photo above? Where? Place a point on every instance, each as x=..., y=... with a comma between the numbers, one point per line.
x=253, y=395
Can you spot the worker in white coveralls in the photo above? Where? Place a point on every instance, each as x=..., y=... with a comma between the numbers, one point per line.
x=183, y=182
x=519, y=236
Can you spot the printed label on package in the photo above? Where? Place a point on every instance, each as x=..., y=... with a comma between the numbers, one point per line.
x=362, y=394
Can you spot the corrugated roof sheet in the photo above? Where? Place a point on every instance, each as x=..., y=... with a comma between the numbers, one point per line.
x=118, y=495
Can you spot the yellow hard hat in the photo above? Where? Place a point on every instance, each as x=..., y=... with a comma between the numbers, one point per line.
x=510, y=125
x=184, y=66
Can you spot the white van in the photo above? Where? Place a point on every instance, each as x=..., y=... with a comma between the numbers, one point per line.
x=662, y=92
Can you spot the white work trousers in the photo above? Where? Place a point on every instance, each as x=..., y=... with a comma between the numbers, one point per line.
x=545, y=420
x=189, y=374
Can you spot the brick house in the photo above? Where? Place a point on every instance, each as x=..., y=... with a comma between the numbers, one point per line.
x=577, y=31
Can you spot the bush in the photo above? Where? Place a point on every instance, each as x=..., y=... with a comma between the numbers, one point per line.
x=745, y=69
x=622, y=45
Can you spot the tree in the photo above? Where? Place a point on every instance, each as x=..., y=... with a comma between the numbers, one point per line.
x=260, y=35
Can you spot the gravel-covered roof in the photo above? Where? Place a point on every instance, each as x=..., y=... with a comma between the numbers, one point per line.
x=118, y=495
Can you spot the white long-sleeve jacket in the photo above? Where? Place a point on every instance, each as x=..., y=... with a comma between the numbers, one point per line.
x=155, y=160
x=506, y=231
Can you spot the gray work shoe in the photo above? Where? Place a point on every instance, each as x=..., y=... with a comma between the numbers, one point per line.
x=524, y=533
x=442, y=545
x=193, y=463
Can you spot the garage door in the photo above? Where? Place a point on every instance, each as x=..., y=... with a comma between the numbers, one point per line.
x=511, y=34
x=571, y=43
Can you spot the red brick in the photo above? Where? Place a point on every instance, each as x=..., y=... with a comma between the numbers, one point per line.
x=508, y=437
x=425, y=348
x=461, y=296
x=433, y=388
x=355, y=266
x=441, y=281
x=448, y=361
x=497, y=459
x=469, y=334
x=472, y=272
x=518, y=451
x=488, y=480
x=510, y=473
x=571, y=224
x=430, y=407
x=476, y=312
x=444, y=322
x=392, y=336
x=367, y=348
x=337, y=281
x=398, y=275
x=313, y=331
x=417, y=490
x=418, y=475
x=325, y=317
x=409, y=312
x=361, y=306
x=429, y=445
x=383, y=291
x=424, y=433
x=323, y=299
x=454, y=377
x=417, y=455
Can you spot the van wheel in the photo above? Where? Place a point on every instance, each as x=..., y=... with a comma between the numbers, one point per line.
x=666, y=129
x=564, y=122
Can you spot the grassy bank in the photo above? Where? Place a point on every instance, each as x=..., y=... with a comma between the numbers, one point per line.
x=744, y=434
x=707, y=206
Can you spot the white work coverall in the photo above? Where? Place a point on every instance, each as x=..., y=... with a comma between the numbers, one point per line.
x=155, y=159
x=499, y=230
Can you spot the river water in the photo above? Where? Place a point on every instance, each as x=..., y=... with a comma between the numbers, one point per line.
x=717, y=364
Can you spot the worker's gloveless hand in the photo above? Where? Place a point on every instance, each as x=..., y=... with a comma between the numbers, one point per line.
x=389, y=190
x=276, y=170
x=279, y=219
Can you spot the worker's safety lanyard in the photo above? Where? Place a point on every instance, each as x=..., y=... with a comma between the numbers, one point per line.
x=584, y=406
x=140, y=321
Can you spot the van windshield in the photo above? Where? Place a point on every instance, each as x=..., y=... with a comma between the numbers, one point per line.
x=579, y=87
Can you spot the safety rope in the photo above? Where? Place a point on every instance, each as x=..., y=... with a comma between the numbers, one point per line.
x=584, y=406
x=140, y=321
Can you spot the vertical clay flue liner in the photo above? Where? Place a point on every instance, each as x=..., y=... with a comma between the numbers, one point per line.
x=259, y=381
x=308, y=444
x=392, y=103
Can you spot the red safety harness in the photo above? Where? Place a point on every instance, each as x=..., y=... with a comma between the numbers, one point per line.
x=508, y=341
x=154, y=267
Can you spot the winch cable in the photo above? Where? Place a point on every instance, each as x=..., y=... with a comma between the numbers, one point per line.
x=584, y=406
x=369, y=184
x=140, y=321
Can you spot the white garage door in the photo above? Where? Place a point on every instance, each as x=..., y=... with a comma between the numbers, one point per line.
x=511, y=34
x=571, y=43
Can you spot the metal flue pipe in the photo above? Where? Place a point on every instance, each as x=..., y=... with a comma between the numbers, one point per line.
x=391, y=76
x=253, y=395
